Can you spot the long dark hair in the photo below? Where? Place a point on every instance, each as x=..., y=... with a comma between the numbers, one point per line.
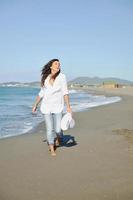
x=46, y=70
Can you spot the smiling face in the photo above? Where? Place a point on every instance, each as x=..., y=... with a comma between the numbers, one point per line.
x=55, y=66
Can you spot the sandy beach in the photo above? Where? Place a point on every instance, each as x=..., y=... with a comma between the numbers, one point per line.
x=95, y=161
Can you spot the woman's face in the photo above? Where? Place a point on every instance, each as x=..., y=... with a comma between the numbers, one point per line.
x=55, y=66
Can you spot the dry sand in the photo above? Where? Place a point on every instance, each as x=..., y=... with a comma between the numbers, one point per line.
x=98, y=167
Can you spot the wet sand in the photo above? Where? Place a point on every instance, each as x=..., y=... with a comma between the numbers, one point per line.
x=95, y=162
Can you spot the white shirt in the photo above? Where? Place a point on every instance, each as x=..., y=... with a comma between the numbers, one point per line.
x=53, y=95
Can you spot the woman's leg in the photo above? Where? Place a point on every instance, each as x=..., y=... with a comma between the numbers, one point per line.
x=57, y=126
x=50, y=132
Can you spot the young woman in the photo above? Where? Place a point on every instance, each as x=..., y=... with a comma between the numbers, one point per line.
x=53, y=93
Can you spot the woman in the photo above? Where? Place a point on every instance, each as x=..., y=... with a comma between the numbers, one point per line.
x=53, y=93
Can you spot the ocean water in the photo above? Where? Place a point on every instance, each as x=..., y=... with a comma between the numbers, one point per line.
x=16, y=115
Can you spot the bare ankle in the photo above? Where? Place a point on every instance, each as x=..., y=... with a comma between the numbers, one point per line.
x=51, y=146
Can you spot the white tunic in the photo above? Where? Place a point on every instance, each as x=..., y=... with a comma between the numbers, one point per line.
x=53, y=95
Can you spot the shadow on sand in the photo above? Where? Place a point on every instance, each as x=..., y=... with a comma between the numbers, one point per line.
x=66, y=141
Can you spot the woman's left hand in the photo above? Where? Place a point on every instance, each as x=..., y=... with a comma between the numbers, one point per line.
x=69, y=110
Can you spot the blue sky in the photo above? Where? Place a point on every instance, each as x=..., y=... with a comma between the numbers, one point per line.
x=90, y=37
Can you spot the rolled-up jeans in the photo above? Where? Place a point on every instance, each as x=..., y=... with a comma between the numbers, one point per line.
x=53, y=126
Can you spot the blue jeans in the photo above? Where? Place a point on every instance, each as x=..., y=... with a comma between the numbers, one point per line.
x=53, y=126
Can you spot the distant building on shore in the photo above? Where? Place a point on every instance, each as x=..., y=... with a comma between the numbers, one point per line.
x=111, y=85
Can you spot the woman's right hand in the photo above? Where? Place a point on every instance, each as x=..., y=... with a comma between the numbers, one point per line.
x=34, y=108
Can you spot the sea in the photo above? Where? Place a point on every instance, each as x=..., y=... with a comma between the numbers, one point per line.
x=16, y=103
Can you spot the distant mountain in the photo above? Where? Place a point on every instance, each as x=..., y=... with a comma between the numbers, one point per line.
x=98, y=80
x=78, y=80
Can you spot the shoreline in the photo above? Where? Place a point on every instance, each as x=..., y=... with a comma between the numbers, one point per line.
x=90, y=91
x=98, y=166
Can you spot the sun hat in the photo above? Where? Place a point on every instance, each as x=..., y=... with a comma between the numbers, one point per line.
x=67, y=122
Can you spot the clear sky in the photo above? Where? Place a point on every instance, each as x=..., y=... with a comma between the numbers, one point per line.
x=90, y=37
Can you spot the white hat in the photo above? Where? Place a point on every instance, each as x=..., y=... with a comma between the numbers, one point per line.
x=67, y=122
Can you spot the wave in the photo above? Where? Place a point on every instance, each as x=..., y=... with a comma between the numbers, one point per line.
x=105, y=100
x=72, y=91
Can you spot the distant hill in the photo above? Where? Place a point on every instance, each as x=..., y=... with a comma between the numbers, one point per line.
x=97, y=81
x=78, y=80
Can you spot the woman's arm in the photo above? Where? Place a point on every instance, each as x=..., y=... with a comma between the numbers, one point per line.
x=38, y=99
x=66, y=94
x=67, y=101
